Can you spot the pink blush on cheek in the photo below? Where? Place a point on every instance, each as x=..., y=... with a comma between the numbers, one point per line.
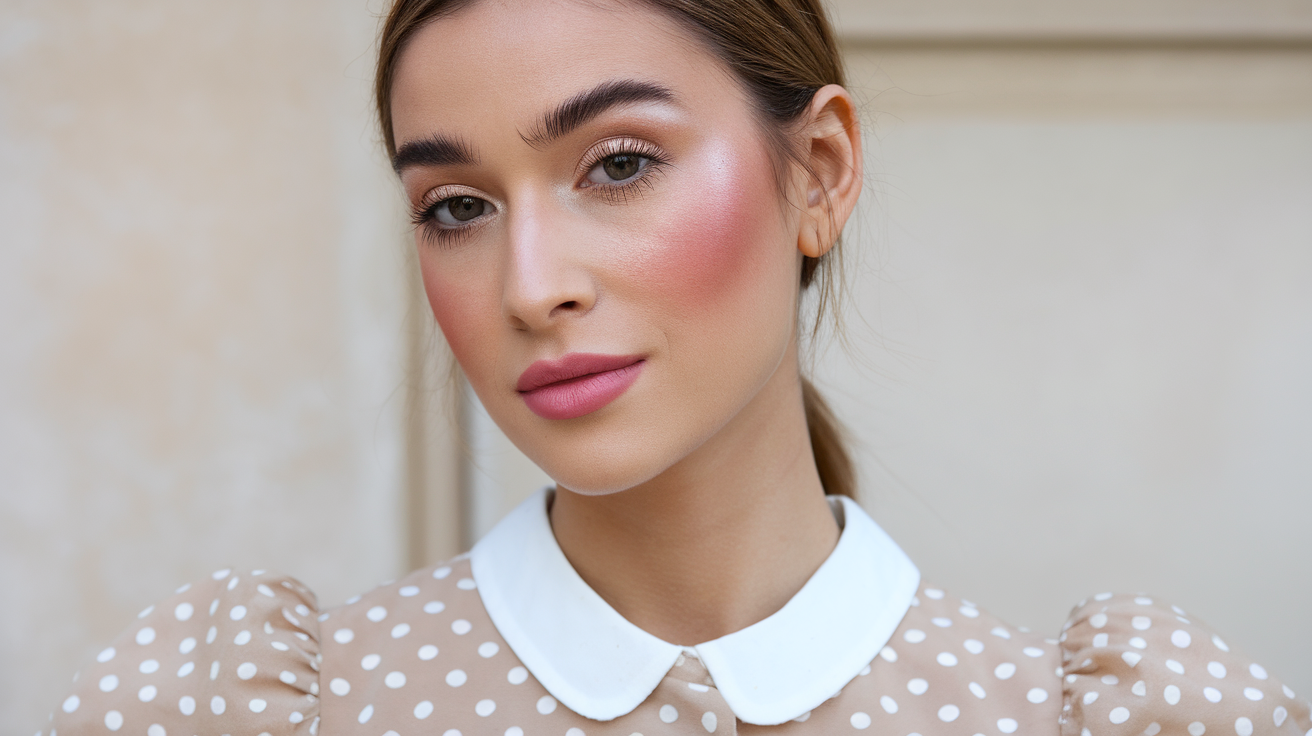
x=714, y=236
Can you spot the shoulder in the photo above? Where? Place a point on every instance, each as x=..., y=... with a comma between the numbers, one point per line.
x=420, y=647
x=234, y=648
x=1134, y=664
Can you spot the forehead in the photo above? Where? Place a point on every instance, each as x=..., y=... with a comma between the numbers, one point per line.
x=502, y=62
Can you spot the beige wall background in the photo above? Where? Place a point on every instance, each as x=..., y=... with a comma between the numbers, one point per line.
x=1080, y=309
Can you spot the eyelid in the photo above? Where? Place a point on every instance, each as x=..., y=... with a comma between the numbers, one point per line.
x=613, y=146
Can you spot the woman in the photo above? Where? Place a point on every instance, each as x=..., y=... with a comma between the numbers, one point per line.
x=617, y=208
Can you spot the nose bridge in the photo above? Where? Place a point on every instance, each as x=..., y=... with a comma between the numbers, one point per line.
x=545, y=280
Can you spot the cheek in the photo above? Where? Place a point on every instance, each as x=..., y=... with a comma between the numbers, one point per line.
x=719, y=234
x=460, y=307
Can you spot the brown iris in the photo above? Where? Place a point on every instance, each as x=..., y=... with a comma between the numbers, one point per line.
x=464, y=208
x=622, y=166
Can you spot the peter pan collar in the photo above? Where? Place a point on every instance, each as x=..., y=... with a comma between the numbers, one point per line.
x=600, y=666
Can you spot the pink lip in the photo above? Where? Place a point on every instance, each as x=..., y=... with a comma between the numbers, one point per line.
x=577, y=383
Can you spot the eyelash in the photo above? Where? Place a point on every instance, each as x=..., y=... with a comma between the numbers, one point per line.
x=424, y=216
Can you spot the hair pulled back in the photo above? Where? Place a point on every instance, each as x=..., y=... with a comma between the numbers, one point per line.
x=782, y=52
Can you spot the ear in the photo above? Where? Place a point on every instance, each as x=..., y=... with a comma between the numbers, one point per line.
x=831, y=144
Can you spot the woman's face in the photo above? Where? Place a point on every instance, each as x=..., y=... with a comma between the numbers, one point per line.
x=593, y=195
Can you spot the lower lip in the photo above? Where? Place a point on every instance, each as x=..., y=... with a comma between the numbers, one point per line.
x=583, y=395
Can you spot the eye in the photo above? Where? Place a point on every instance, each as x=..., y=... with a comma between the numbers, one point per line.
x=455, y=211
x=618, y=168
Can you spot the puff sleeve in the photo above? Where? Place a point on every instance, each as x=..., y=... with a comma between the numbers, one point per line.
x=236, y=653
x=1134, y=666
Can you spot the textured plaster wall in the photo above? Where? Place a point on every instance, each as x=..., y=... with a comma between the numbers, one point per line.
x=203, y=311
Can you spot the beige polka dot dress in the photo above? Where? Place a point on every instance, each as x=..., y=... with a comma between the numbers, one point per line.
x=489, y=644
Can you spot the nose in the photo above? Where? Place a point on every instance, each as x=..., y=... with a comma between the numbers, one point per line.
x=546, y=280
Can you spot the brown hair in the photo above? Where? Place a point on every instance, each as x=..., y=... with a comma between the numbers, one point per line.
x=781, y=51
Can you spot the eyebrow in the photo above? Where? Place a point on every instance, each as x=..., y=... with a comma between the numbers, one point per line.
x=435, y=150
x=586, y=106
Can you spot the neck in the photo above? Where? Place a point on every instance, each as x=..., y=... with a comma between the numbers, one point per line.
x=720, y=540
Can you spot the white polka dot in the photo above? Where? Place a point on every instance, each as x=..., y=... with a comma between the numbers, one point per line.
x=917, y=686
x=400, y=630
x=339, y=686
x=888, y=704
x=184, y=611
x=977, y=690
x=947, y=659
x=1032, y=652
x=376, y=614
x=669, y=714
x=941, y=622
x=1288, y=693
x=1008, y=725
x=488, y=649
x=974, y=646
x=394, y=680
x=1212, y=694
x=1171, y=694
x=485, y=707
x=860, y=721
x=1000, y=632
x=409, y=591
x=914, y=636
x=864, y=671
x=1252, y=693
x=969, y=611
x=934, y=593
x=1100, y=640
x=1036, y=695
x=1103, y=597
x=427, y=652
x=888, y=654
x=1181, y=638
x=71, y=704
x=366, y=714
x=423, y=710
x=709, y=721
x=265, y=590
x=218, y=705
x=461, y=627
x=246, y=670
x=214, y=670
x=288, y=677
x=948, y=713
x=578, y=732
x=149, y=667
x=1141, y=623
x=1004, y=671
x=1175, y=666
x=156, y=730
x=1131, y=658
x=108, y=683
x=295, y=717
x=1279, y=716
x=1110, y=679
x=106, y=654
x=1197, y=729
x=546, y=705
x=147, y=693
x=1119, y=715
x=243, y=638
x=187, y=645
x=1098, y=620
x=187, y=705
x=466, y=584
x=1216, y=669
x=441, y=572
x=1243, y=726
x=186, y=669
x=370, y=661
x=145, y=636
x=434, y=607
x=1090, y=697
x=343, y=636
x=517, y=676
x=698, y=687
x=512, y=731
x=258, y=705
x=456, y=678
x=1256, y=670
x=113, y=720
x=1138, y=643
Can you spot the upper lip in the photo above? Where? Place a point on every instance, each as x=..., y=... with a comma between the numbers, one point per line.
x=570, y=366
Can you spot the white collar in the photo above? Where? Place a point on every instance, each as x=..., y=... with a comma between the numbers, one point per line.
x=602, y=667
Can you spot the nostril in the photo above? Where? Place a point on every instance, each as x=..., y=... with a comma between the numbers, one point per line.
x=568, y=305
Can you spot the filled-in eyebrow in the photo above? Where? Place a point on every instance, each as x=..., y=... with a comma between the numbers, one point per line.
x=585, y=106
x=435, y=150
